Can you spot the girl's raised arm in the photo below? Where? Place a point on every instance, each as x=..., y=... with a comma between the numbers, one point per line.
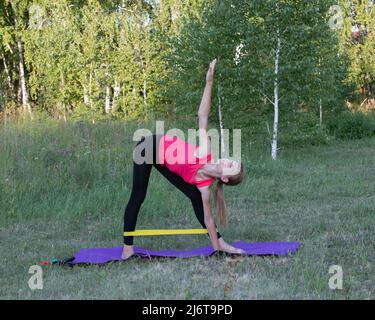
x=204, y=111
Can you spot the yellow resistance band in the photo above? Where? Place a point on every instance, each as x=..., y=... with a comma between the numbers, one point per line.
x=163, y=232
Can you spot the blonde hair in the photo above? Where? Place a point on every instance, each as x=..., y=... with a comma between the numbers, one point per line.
x=221, y=207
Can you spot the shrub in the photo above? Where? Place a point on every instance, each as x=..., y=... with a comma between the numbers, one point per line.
x=301, y=129
x=351, y=125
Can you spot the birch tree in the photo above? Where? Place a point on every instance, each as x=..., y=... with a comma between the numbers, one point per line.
x=13, y=24
x=282, y=45
x=135, y=58
x=357, y=38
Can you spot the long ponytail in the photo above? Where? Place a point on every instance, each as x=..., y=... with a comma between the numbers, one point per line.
x=221, y=207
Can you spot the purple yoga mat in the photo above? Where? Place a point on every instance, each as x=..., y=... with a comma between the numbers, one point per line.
x=104, y=255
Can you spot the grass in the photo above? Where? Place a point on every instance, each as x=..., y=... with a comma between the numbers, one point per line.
x=65, y=186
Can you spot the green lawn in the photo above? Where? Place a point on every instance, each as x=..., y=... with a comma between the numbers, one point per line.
x=65, y=186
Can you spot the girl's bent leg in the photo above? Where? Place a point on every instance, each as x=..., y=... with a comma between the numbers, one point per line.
x=191, y=191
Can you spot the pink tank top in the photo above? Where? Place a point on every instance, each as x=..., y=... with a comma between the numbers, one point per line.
x=178, y=156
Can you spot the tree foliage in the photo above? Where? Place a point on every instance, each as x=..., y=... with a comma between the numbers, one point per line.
x=136, y=58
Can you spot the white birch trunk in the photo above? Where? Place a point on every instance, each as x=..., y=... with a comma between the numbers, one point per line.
x=62, y=86
x=9, y=78
x=86, y=97
x=87, y=90
x=19, y=93
x=90, y=89
x=320, y=100
x=90, y=94
x=116, y=94
x=2, y=96
x=145, y=95
x=24, y=93
x=3, y=105
x=320, y=112
x=222, y=145
x=276, y=97
x=107, y=107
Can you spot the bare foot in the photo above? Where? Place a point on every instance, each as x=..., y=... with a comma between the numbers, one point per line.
x=228, y=248
x=127, y=252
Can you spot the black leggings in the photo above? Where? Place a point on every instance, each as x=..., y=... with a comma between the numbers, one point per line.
x=141, y=175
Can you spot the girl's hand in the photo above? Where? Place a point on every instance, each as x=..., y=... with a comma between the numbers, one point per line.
x=223, y=246
x=211, y=71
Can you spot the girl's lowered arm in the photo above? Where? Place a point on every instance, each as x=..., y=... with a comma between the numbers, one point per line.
x=208, y=218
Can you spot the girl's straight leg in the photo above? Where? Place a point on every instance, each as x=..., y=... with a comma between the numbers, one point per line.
x=141, y=175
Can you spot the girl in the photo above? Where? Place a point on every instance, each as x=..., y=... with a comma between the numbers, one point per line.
x=193, y=177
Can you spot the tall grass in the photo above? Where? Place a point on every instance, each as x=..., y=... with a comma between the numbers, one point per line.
x=64, y=186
